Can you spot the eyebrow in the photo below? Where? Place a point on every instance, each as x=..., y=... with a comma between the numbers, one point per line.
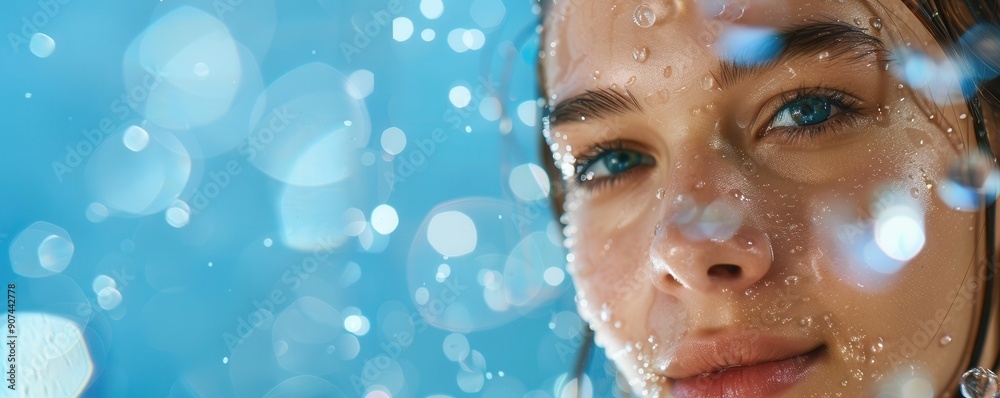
x=840, y=40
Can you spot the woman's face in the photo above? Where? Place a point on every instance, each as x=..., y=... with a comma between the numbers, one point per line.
x=757, y=195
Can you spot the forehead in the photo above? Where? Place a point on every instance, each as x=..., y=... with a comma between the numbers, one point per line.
x=587, y=41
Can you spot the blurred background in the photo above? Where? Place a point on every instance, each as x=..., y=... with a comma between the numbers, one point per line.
x=246, y=198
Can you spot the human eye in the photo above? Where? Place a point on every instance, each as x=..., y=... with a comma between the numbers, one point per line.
x=804, y=115
x=606, y=164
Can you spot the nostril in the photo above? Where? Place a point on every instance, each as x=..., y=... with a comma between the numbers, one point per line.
x=724, y=271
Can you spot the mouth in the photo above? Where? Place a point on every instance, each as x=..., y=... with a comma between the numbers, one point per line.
x=753, y=376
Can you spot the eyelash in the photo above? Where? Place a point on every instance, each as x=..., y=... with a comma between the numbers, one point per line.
x=848, y=105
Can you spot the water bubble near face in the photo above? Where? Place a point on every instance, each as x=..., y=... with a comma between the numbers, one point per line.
x=42, y=45
x=42, y=249
x=644, y=16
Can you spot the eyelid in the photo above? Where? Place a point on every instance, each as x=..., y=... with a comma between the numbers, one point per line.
x=590, y=154
x=848, y=103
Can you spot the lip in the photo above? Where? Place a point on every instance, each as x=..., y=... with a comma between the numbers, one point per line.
x=740, y=365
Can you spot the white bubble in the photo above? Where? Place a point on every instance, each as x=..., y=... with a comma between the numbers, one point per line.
x=42, y=249
x=527, y=112
x=554, y=276
x=312, y=219
x=96, y=212
x=489, y=107
x=488, y=13
x=427, y=34
x=201, y=69
x=268, y=242
x=225, y=360
x=352, y=273
x=431, y=9
x=456, y=347
x=42, y=45
x=918, y=387
x=566, y=325
x=27, y=95
x=402, y=29
x=354, y=324
x=393, y=140
x=421, y=295
x=179, y=214
x=109, y=298
x=53, y=356
x=899, y=232
x=101, y=282
x=470, y=382
x=460, y=96
x=384, y=219
x=360, y=84
x=135, y=138
x=456, y=40
x=473, y=39
x=452, y=234
x=529, y=182
x=443, y=272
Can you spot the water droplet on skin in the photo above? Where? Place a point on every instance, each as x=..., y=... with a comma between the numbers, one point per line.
x=699, y=185
x=597, y=74
x=630, y=81
x=660, y=193
x=667, y=72
x=979, y=382
x=824, y=55
x=876, y=23
x=963, y=116
x=605, y=314
x=945, y=340
x=806, y=322
x=914, y=192
x=708, y=82
x=858, y=374
x=640, y=54
x=644, y=16
x=792, y=280
x=843, y=383
x=618, y=324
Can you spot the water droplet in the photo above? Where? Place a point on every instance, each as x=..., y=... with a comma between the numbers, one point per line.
x=630, y=81
x=668, y=71
x=844, y=383
x=644, y=16
x=858, y=374
x=708, y=82
x=945, y=340
x=597, y=74
x=605, y=313
x=792, y=280
x=699, y=185
x=979, y=382
x=914, y=192
x=618, y=324
x=806, y=322
x=963, y=116
x=640, y=54
x=660, y=193
x=876, y=23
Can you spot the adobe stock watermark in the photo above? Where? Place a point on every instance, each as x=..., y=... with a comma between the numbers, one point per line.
x=266, y=306
x=372, y=28
x=394, y=347
x=47, y=10
x=92, y=138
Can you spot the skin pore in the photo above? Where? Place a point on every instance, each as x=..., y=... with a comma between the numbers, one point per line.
x=724, y=200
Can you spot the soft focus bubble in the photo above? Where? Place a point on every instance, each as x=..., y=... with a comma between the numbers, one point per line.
x=456, y=347
x=181, y=70
x=972, y=182
x=372, y=241
x=421, y=296
x=352, y=273
x=138, y=183
x=305, y=386
x=135, y=138
x=307, y=129
x=749, y=45
x=940, y=82
x=53, y=356
x=360, y=84
x=109, y=298
x=982, y=42
x=96, y=212
x=427, y=34
x=384, y=219
x=314, y=218
x=308, y=326
x=523, y=275
x=473, y=39
x=357, y=324
x=899, y=232
x=354, y=221
x=979, y=382
x=529, y=182
x=178, y=214
x=554, y=276
x=390, y=378
x=470, y=382
x=42, y=249
x=452, y=233
x=527, y=113
x=918, y=387
x=393, y=140
x=250, y=23
x=566, y=325
x=490, y=108
x=456, y=40
x=402, y=29
x=488, y=13
x=718, y=221
x=101, y=282
x=460, y=299
x=346, y=347
x=42, y=45
x=569, y=387
x=460, y=96
x=431, y=9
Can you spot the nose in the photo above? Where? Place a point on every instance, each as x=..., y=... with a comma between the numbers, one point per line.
x=705, y=240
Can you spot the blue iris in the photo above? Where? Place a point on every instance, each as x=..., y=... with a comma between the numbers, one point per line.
x=613, y=162
x=804, y=112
